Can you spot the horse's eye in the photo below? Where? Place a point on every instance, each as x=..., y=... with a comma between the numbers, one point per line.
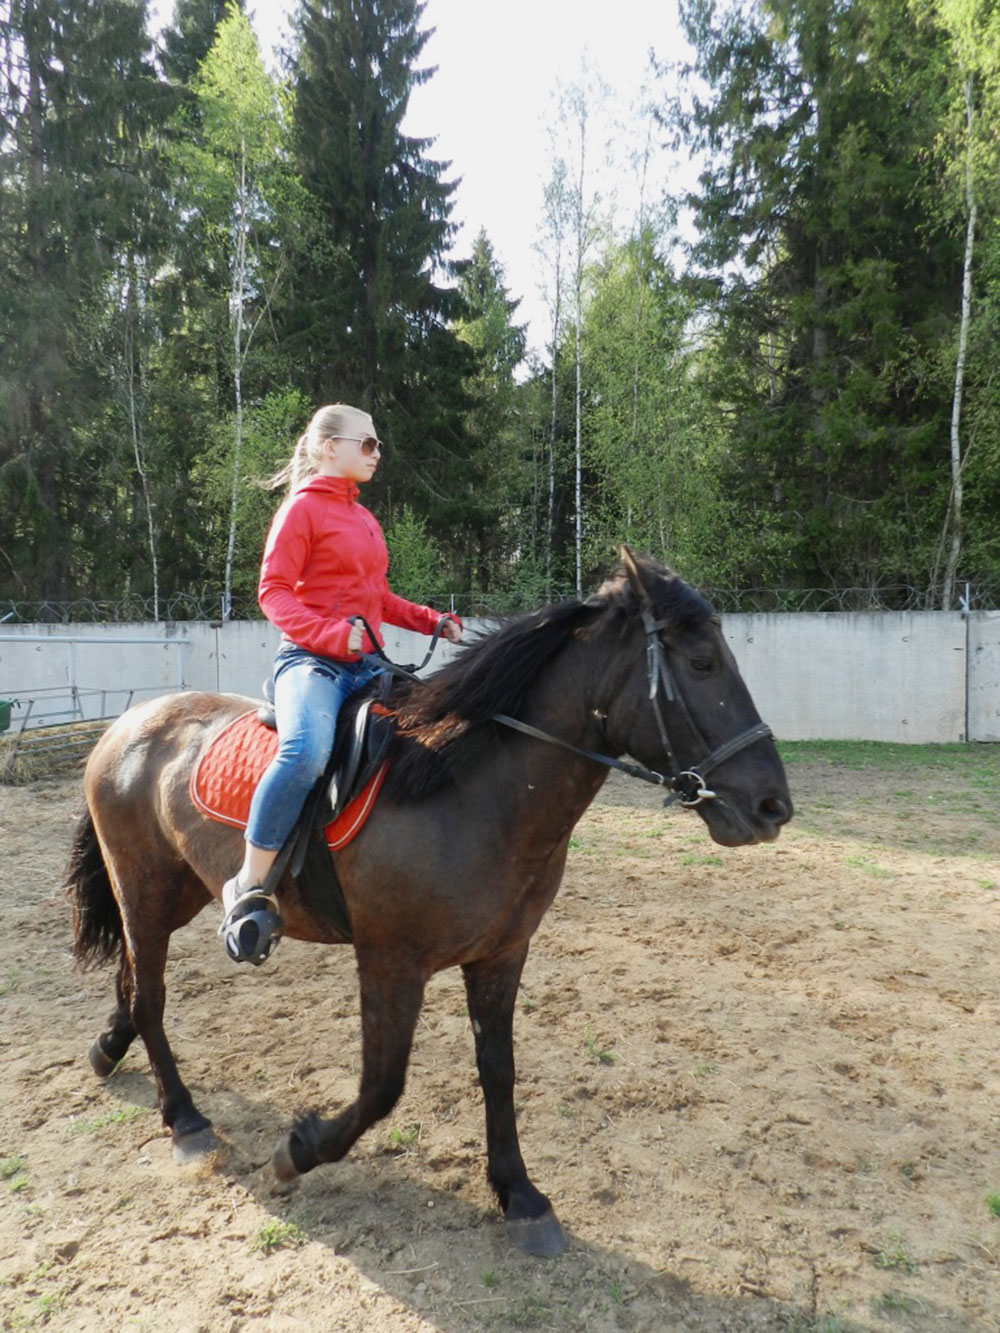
x=701, y=666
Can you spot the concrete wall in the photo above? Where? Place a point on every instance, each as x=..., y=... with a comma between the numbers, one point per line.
x=885, y=676
x=984, y=676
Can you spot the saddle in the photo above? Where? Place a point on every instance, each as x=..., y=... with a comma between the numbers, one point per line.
x=225, y=777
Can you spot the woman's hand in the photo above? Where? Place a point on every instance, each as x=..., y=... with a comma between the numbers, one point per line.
x=452, y=630
x=356, y=639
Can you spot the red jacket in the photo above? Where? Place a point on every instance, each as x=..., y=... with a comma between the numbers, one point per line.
x=326, y=560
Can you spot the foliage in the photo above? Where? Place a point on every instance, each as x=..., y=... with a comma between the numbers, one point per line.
x=195, y=254
x=416, y=569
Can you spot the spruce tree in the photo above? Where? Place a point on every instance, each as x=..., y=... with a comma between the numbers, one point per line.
x=368, y=318
x=826, y=284
x=79, y=96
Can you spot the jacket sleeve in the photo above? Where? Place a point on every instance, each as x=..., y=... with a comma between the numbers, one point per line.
x=286, y=555
x=411, y=615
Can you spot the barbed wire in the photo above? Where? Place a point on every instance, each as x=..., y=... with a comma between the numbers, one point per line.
x=184, y=606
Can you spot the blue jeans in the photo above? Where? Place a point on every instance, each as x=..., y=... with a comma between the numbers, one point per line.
x=309, y=692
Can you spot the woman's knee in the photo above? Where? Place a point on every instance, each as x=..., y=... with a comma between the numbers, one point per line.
x=302, y=757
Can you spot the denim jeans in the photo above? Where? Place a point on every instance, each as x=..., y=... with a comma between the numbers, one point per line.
x=308, y=694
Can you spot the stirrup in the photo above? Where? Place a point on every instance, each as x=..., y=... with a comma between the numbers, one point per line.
x=252, y=926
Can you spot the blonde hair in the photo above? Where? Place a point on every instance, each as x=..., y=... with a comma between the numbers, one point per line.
x=326, y=423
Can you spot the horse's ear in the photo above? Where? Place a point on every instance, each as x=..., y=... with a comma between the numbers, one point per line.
x=634, y=574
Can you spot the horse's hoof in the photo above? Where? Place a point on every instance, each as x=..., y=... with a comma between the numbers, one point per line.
x=100, y=1062
x=193, y=1147
x=542, y=1237
x=282, y=1164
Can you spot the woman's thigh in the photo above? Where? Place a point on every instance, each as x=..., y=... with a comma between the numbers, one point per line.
x=307, y=699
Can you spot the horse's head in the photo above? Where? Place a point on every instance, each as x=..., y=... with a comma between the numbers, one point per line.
x=700, y=719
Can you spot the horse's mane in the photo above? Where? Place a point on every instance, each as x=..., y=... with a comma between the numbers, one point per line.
x=439, y=731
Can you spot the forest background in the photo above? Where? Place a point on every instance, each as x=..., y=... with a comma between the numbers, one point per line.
x=796, y=407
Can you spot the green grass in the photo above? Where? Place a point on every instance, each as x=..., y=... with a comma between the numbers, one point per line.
x=976, y=764
x=402, y=1139
x=94, y=1124
x=12, y=1166
x=868, y=867
x=895, y=1256
x=993, y=1202
x=602, y=1055
x=276, y=1235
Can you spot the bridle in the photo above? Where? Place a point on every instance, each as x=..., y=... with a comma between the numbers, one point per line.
x=686, y=785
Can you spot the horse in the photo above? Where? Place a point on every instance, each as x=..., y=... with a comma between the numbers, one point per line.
x=494, y=760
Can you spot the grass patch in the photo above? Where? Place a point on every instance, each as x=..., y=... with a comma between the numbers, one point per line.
x=602, y=1055
x=94, y=1124
x=274, y=1234
x=993, y=1203
x=976, y=764
x=895, y=1256
x=402, y=1139
x=868, y=866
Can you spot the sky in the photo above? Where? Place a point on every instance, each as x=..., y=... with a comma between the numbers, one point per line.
x=491, y=104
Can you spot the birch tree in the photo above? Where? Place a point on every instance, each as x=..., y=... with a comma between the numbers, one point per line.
x=579, y=104
x=973, y=28
x=236, y=171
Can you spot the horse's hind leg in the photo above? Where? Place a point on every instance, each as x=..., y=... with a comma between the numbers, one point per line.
x=491, y=986
x=392, y=991
x=154, y=899
x=110, y=1046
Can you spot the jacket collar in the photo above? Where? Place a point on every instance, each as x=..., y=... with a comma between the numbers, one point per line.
x=339, y=488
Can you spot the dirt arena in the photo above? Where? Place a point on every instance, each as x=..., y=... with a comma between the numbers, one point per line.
x=760, y=1086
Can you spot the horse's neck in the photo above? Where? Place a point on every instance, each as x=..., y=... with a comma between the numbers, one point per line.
x=545, y=782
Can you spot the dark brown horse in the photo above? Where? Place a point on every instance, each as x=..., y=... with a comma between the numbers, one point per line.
x=462, y=855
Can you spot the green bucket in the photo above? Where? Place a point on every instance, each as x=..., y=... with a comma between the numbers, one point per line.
x=5, y=706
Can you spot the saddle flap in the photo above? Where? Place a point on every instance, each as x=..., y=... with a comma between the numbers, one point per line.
x=361, y=747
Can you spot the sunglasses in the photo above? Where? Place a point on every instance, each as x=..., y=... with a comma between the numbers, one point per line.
x=369, y=444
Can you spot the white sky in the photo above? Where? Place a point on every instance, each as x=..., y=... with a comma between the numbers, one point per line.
x=491, y=104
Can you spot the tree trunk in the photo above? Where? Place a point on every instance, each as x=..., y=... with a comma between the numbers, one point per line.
x=133, y=369
x=953, y=518
x=239, y=281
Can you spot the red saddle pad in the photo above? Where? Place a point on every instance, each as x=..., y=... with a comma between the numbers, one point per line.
x=225, y=778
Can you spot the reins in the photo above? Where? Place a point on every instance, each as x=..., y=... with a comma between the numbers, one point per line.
x=385, y=663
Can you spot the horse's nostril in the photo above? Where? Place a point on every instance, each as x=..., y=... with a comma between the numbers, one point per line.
x=775, y=809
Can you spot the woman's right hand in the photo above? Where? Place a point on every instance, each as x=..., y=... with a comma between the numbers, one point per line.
x=356, y=639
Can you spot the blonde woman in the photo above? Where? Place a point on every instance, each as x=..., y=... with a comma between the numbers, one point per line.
x=325, y=561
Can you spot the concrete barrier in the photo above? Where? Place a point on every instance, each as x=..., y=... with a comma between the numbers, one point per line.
x=883, y=676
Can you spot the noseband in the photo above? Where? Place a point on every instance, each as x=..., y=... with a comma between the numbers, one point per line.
x=686, y=785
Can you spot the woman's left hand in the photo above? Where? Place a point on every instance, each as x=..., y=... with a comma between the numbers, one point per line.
x=452, y=630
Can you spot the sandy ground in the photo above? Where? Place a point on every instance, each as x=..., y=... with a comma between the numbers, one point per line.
x=761, y=1087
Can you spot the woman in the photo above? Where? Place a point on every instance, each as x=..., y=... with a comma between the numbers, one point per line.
x=325, y=562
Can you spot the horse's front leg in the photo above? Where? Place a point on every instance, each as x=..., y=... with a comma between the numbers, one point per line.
x=491, y=985
x=392, y=991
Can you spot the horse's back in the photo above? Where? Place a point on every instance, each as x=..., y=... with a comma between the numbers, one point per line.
x=169, y=731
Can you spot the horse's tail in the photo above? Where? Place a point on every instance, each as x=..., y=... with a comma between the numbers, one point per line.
x=97, y=921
